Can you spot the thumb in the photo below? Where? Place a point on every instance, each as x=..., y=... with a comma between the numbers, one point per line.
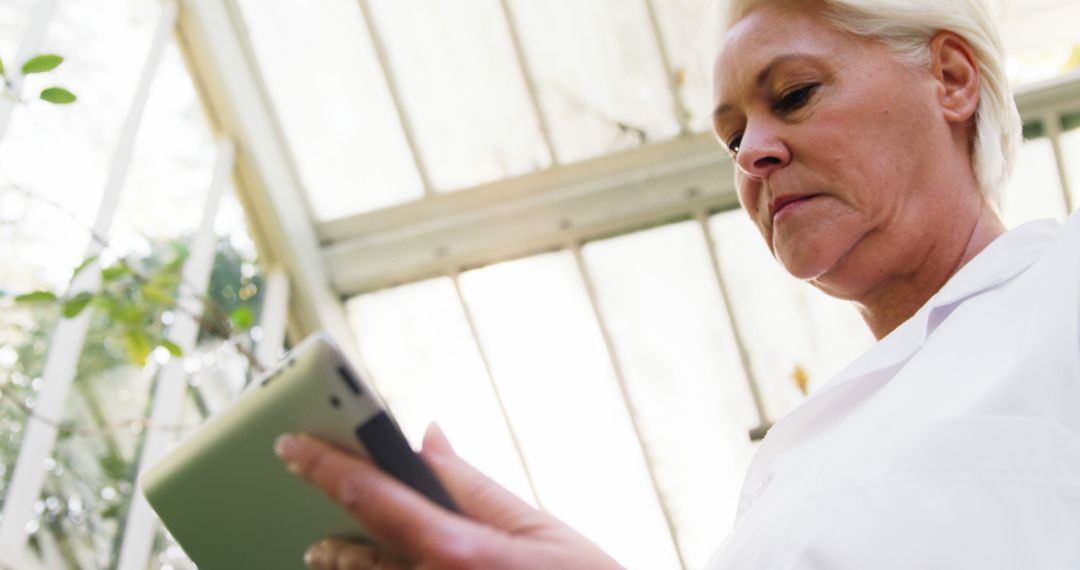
x=435, y=441
x=480, y=497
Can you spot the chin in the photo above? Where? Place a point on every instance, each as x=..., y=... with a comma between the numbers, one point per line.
x=802, y=268
x=844, y=277
x=807, y=260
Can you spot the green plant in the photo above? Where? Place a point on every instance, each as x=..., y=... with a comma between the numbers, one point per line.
x=129, y=306
x=40, y=64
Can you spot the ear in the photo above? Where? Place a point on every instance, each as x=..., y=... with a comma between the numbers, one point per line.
x=953, y=64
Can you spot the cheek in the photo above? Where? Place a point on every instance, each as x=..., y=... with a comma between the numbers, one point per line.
x=749, y=195
x=750, y=199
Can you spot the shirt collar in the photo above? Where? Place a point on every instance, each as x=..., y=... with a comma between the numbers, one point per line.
x=1005, y=258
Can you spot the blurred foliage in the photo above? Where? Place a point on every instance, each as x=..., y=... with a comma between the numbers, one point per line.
x=129, y=305
x=89, y=485
x=131, y=297
x=236, y=286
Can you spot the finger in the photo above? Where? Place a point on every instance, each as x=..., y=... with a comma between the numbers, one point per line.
x=394, y=513
x=479, y=496
x=336, y=554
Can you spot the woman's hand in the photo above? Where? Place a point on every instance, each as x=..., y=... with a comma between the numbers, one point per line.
x=498, y=529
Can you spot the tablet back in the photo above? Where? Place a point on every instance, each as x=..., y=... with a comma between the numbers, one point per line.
x=224, y=495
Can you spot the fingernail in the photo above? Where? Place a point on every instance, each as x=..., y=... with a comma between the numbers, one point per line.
x=315, y=557
x=434, y=435
x=286, y=447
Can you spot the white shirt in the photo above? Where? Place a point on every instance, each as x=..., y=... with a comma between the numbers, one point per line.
x=953, y=443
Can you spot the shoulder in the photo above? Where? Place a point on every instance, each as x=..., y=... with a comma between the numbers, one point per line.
x=1069, y=238
x=969, y=492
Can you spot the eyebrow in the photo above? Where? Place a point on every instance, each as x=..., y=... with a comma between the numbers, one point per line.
x=763, y=76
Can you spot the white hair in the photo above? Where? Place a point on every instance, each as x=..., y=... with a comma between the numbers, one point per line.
x=906, y=27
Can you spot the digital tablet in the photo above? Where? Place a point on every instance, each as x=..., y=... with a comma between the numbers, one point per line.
x=232, y=504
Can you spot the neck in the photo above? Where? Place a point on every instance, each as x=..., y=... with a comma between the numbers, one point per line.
x=888, y=306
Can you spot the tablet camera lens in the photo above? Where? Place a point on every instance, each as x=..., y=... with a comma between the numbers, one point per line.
x=350, y=381
x=334, y=401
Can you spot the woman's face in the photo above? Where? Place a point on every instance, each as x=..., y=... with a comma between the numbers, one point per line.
x=837, y=145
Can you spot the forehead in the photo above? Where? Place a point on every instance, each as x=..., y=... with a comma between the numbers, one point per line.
x=772, y=31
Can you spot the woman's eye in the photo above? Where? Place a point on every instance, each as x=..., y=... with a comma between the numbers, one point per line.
x=795, y=99
x=734, y=143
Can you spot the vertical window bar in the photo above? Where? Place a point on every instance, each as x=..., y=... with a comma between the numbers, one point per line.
x=624, y=391
x=744, y=355
x=141, y=525
x=395, y=95
x=1052, y=121
x=40, y=19
x=495, y=388
x=67, y=340
x=274, y=319
x=530, y=82
x=672, y=79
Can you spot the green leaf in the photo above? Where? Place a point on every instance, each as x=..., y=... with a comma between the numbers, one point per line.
x=36, y=297
x=1033, y=130
x=106, y=303
x=114, y=466
x=157, y=294
x=173, y=348
x=242, y=317
x=129, y=313
x=86, y=263
x=42, y=63
x=114, y=272
x=176, y=262
x=1, y=67
x=138, y=346
x=76, y=304
x=1070, y=121
x=165, y=278
x=58, y=95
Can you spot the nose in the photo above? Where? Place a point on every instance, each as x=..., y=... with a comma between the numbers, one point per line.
x=761, y=150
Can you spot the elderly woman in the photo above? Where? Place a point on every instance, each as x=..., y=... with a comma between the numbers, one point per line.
x=870, y=138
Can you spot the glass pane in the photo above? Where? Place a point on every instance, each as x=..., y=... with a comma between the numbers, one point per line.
x=416, y=343
x=689, y=28
x=1070, y=150
x=1034, y=191
x=14, y=16
x=338, y=118
x=791, y=330
x=598, y=74
x=61, y=154
x=53, y=165
x=1039, y=36
x=166, y=186
x=160, y=208
x=660, y=300
x=550, y=363
x=24, y=344
x=463, y=89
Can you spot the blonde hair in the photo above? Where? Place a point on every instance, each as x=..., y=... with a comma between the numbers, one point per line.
x=906, y=27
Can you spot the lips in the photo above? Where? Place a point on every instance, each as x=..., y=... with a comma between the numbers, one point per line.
x=780, y=202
